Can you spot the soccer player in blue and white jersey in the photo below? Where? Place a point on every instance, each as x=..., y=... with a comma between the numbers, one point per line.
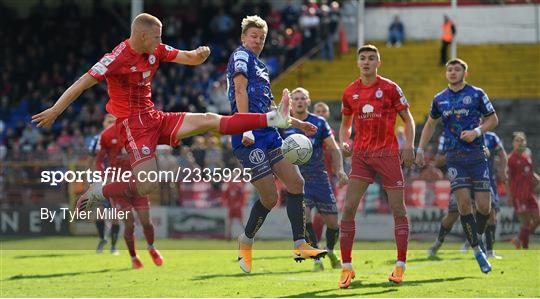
x=493, y=147
x=461, y=106
x=260, y=150
x=319, y=193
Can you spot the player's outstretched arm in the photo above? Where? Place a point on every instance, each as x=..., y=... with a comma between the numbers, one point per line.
x=193, y=57
x=345, y=131
x=46, y=118
x=308, y=128
x=427, y=133
x=337, y=159
x=408, y=150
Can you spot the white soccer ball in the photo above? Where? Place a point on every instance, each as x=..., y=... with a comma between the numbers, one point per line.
x=297, y=149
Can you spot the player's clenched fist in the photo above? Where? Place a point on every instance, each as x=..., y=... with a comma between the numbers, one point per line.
x=346, y=149
x=203, y=51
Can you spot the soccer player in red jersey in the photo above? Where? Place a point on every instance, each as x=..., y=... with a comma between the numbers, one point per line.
x=233, y=197
x=129, y=70
x=111, y=149
x=373, y=103
x=521, y=182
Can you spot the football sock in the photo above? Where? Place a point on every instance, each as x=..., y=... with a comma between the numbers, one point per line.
x=490, y=236
x=311, y=237
x=129, y=237
x=295, y=212
x=346, y=240
x=331, y=236
x=443, y=231
x=115, y=228
x=401, y=233
x=318, y=224
x=469, y=228
x=241, y=122
x=148, y=231
x=100, y=224
x=524, y=237
x=481, y=222
x=120, y=189
x=256, y=219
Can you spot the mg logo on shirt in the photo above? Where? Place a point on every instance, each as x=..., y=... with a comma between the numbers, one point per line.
x=256, y=156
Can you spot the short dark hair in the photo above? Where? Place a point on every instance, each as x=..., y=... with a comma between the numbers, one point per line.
x=458, y=61
x=369, y=48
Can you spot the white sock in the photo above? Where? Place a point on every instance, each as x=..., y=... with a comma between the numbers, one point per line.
x=245, y=239
x=299, y=242
x=347, y=266
x=400, y=264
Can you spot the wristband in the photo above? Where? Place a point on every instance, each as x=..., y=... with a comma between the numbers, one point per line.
x=478, y=132
x=419, y=150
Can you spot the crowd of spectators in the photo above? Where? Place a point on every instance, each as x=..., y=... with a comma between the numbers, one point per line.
x=53, y=46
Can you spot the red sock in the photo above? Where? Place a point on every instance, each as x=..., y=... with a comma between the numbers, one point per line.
x=149, y=233
x=401, y=233
x=129, y=237
x=318, y=224
x=241, y=122
x=524, y=237
x=120, y=189
x=346, y=240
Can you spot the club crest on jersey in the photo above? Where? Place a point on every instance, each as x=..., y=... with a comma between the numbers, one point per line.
x=152, y=59
x=467, y=100
x=355, y=97
x=378, y=93
x=145, y=150
x=367, y=108
x=256, y=156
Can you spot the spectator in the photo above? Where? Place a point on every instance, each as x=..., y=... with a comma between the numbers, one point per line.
x=290, y=14
x=309, y=24
x=327, y=37
x=218, y=97
x=448, y=34
x=396, y=33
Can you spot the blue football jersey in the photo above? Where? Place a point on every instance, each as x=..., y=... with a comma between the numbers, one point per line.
x=461, y=111
x=244, y=62
x=314, y=168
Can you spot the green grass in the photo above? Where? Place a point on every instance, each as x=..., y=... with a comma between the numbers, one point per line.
x=214, y=272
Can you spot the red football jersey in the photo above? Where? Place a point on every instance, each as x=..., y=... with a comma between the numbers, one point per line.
x=520, y=174
x=110, y=148
x=129, y=75
x=374, y=109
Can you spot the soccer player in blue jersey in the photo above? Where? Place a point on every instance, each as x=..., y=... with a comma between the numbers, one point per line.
x=461, y=106
x=260, y=149
x=493, y=147
x=318, y=191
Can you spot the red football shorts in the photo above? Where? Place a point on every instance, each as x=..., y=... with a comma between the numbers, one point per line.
x=524, y=205
x=137, y=203
x=144, y=132
x=388, y=168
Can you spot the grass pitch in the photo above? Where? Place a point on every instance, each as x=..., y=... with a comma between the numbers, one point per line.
x=200, y=271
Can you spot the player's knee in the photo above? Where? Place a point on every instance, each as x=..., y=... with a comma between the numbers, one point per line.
x=296, y=185
x=147, y=188
x=484, y=207
x=210, y=120
x=398, y=209
x=349, y=211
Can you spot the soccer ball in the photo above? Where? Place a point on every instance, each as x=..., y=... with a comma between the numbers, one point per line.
x=297, y=149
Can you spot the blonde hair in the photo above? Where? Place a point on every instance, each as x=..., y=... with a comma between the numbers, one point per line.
x=302, y=90
x=323, y=104
x=145, y=20
x=254, y=21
